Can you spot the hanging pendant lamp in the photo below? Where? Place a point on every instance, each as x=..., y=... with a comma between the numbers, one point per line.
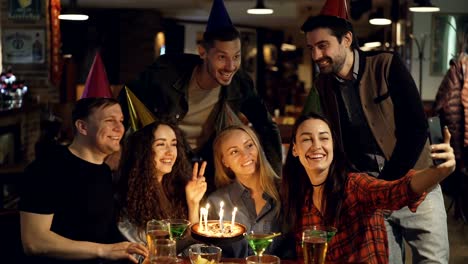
x=72, y=13
x=424, y=6
x=260, y=9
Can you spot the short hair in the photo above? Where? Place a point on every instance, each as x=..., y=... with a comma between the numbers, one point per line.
x=222, y=34
x=338, y=27
x=86, y=106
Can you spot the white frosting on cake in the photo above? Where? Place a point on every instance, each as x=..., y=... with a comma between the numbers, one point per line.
x=214, y=230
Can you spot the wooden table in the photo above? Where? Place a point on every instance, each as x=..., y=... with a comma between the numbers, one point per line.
x=283, y=261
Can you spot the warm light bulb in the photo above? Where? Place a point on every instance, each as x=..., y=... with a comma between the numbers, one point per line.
x=380, y=21
x=422, y=9
x=75, y=17
x=374, y=44
x=260, y=11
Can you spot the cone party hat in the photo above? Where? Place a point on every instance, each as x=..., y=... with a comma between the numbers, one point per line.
x=219, y=17
x=337, y=8
x=140, y=116
x=97, y=84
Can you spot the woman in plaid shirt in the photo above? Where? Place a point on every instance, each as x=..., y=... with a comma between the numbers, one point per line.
x=320, y=188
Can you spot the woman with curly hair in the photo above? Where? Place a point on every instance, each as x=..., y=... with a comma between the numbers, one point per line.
x=245, y=180
x=156, y=180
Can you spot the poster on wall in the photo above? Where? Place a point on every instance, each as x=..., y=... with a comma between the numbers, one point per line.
x=24, y=9
x=23, y=46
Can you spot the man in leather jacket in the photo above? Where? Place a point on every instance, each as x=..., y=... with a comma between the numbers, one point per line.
x=202, y=92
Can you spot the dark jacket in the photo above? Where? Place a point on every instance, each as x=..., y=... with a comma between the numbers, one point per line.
x=448, y=105
x=392, y=107
x=163, y=88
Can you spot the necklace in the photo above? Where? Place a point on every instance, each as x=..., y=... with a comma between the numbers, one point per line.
x=320, y=184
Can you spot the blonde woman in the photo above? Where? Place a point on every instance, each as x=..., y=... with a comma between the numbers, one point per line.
x=245, y=179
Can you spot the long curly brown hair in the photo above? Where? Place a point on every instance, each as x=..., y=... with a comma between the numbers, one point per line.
x=141, y=196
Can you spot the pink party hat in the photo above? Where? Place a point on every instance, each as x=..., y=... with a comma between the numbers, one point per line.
x=97, y=84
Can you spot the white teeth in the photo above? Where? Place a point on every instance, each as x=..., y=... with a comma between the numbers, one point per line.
x=166, y=160
x=116, y=138
x=247, y=163
x=316, y=156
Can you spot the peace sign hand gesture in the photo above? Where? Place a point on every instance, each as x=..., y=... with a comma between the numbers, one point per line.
x=196, y=187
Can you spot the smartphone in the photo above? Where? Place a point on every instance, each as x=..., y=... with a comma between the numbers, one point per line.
x=435, y=134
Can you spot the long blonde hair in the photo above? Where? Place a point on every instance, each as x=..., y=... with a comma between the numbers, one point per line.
x=269, y=180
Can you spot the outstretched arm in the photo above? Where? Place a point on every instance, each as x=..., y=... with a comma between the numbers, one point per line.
x=38, y=239
x=425, y=179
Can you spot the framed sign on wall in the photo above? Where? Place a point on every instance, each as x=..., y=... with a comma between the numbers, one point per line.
x=23, y=46
x=24, y=9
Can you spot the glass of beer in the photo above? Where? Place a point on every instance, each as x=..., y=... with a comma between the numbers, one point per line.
x=331, y=230
x=157, y=229
x=314, y=246
x=204, y=254
x=263, y=259
x=163, y=252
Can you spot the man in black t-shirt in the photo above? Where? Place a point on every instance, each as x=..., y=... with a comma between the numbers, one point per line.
x=66, y=206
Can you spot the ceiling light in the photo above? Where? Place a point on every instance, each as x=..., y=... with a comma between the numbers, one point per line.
x=288, y=47
x=73, y=13
x=378, y=18
x=424, y=6
x=260, y=9
x=373, y=44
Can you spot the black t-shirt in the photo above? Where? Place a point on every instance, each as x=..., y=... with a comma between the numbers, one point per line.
x=77, y=192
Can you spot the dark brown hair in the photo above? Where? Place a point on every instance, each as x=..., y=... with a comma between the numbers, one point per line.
x=296, y=183
x=222, y=34
x=140, y=194
x=338, y=27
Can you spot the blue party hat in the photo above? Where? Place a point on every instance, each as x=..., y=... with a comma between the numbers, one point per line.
x=219, y=17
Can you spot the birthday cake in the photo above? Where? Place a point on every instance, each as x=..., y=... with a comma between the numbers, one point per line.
x=214, y=232
x=214, y=229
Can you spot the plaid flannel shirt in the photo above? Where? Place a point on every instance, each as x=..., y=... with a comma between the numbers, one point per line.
x=361, y=235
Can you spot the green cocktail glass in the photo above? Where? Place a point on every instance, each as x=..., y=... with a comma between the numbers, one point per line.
x=178, y=227
x=260, y=241
x=331, y=231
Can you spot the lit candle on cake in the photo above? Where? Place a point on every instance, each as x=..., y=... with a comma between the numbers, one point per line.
x=221, y=213
x=233, y=219
x=200, y=223
x=207, y=207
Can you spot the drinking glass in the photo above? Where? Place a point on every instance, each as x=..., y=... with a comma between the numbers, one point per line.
x=204, y=254
x=157, y=229
x=178, y=227
x=314, y=246
x=331, y=230
x=163, y=252
x=264, y=259
x=260, y=241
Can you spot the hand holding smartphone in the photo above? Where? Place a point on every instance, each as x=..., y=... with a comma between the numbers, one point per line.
x=435, y=134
